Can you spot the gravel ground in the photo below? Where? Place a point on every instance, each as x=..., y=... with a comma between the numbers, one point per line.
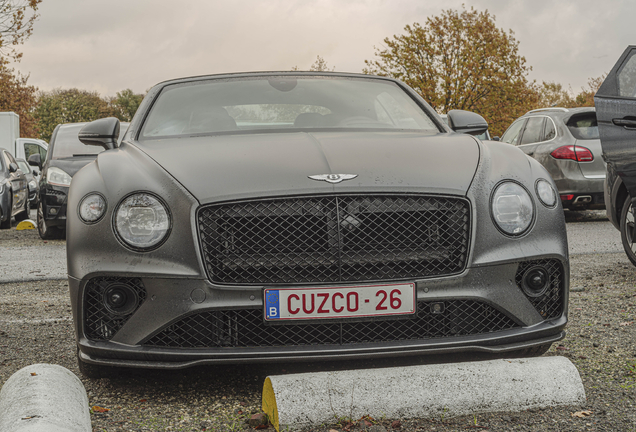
x=35, y=327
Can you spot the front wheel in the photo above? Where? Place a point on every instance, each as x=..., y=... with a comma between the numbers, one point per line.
x=627, y=229
x=46, y=232
x=7, y=223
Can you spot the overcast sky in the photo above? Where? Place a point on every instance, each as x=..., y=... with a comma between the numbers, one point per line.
x=110, y=45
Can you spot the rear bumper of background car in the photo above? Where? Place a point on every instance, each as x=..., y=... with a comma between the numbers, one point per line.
x=184, y=322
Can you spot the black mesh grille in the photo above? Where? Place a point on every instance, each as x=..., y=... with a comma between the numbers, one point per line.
x=550, y=304
x=245, y=328
x=55, y=192
x=334, y=239
x=99, y=322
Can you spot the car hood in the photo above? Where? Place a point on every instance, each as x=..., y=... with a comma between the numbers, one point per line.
x=71, y=165
x=216, y=168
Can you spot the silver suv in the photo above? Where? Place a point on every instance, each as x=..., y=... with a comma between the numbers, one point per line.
x=566, y=142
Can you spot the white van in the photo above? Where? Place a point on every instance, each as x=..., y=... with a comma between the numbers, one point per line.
x=19, y=147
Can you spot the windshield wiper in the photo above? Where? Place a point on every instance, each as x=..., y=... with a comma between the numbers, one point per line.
x=84, y=154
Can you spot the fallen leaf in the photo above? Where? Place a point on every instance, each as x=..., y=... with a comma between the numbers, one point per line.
x=143, y=400
x=100, y=409
x=563, y=348
x=33, y=374
x=582, y=414
x=627, y=323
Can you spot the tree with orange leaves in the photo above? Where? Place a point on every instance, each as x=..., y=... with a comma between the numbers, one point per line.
x=461, y=60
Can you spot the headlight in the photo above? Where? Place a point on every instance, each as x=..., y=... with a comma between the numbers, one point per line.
x=92, y=208
x=142, y=221
x=57, y=177
x=32, y=185
x=546, y=193
x=512, y=208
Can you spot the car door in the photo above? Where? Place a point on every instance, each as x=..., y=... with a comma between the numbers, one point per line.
x=18, y=184
x=616, y=115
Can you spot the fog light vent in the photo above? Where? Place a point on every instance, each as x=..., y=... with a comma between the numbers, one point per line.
x=108, y=303
x=542, y=281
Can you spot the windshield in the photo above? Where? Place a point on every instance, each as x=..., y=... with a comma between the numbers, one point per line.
x=283, y=103
x=24, y=167
x=67, y=144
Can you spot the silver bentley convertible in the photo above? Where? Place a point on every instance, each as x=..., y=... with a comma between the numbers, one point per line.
x=295, y=216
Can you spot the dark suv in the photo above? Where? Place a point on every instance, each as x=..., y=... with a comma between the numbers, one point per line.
x=566, y=142
x=66, y=156
x=616, y=109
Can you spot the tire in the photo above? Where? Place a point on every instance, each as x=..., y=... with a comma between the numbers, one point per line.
x=94, y=371
x=46, y=232
x=25, y=214
x=627, y=223
x=7, y=224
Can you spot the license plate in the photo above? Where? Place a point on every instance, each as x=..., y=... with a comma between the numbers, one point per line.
x=339, y=302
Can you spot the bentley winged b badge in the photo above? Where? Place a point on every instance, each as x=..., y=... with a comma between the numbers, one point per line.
x=333, y=178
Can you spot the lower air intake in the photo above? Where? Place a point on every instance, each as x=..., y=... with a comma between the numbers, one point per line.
x=245, y=328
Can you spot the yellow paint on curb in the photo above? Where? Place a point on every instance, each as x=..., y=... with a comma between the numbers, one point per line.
x=269, y=403
x=25, y=225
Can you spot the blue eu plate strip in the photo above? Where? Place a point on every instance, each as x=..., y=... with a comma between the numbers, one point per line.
x=272, y=306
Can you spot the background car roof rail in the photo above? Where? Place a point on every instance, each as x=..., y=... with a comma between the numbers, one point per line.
x=548, y=109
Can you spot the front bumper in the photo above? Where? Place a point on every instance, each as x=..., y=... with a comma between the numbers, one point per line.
x=54, y=200
x=505, y=319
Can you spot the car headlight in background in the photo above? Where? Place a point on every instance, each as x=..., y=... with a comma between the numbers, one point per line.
x=58, y=177
x=546, y=193
x=32, y=185
x=142, y=221
x=92, y=208
x=512, y=208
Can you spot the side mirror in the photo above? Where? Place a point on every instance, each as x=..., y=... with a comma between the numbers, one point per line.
x=35, y=160
x=467, y=122
x=36, y=172
x=496, y=138
x=103, y=132
x=13, y=167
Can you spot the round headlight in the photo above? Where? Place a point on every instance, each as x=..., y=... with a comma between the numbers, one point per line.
x=92, y=208
x=546, y=193
x=512, y=208
x=142, y=221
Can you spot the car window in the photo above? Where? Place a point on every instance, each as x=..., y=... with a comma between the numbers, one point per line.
x=280, y=103
x=43, y=152
x=30, y=149
x=627, y=78
x=511, y=136
x=532, y=131
x=584, y=126
x=549, y=130
x=9, y=158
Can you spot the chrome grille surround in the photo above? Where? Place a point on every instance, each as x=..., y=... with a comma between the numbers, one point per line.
x=337, y=238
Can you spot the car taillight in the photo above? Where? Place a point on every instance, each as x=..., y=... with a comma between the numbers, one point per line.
x=576, y=153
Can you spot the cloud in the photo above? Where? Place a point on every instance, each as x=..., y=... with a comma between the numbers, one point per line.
x=108, y=46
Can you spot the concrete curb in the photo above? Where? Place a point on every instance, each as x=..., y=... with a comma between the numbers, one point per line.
x=312, y=399
x=44, y=398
